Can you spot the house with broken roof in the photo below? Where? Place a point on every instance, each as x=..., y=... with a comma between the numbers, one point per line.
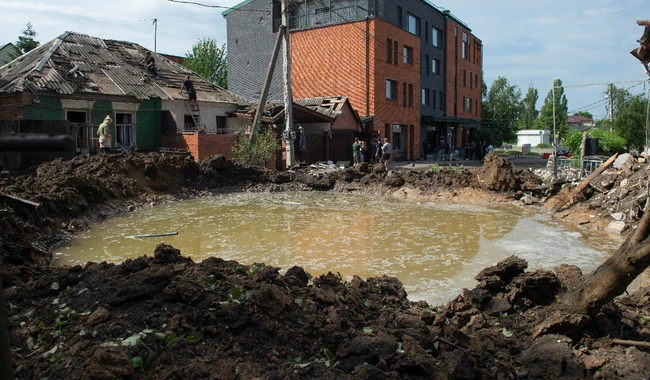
x=8, y=52
x=81, y=79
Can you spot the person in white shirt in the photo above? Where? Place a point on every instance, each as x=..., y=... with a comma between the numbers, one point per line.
x=386, y=152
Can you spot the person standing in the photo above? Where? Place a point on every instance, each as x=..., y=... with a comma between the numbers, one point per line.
x=386, y=152
x=188, y=86
x=362, y=152
x=356, y=150
x=425, y=149
x=104, y=135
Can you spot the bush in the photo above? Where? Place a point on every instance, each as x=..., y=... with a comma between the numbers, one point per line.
x=543, y=145
x=434, y=168
x=259, y=154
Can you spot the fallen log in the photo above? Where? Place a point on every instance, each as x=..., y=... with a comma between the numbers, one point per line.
x=631, y=343
x=582, y=185
x=155, y=235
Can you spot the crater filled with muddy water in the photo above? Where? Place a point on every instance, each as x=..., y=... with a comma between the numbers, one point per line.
x=434, y=248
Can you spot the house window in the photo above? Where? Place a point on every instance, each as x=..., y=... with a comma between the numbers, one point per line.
x=435, y=37
x=427, y=63
x=408, y=55
x=424, y=97
x=397, y=137
x=433, y=99
x=404, y=99
x=465, y=46
x=391, y=89
x=414, y=25
x=389, y=50
x=410, y=96
x=222, y=127
x=188, y=123
x=399, y=16
x=124, y=128
x=468, y=104
x=435, y=66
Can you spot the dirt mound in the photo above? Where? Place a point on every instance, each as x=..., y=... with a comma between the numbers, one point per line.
x=170, y=318
x=500, y=174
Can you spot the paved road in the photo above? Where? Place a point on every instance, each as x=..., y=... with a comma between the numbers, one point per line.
x=524, y=162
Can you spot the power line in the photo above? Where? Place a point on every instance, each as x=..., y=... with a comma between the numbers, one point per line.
x=217, y=6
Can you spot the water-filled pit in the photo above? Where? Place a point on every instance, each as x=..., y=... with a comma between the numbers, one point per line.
x=434, y=248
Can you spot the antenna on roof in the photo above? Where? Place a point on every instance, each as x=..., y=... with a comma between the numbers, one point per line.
x=154, y=22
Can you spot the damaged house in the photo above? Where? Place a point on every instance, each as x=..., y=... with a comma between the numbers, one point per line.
x=81, y=79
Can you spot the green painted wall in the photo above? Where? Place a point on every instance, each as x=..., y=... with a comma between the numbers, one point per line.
x=148, y=124
x=101, y=108
x=49, y=108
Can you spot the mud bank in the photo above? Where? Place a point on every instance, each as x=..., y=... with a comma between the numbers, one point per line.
x=169, y=318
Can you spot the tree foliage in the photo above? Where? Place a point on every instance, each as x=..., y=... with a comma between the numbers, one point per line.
x=258, y=154
x=209, y=61
x=529, y=112
x=608, y=142
x=629, y=117
x=585, y=114
x=26, y=42
x=502, y=103
x=545, y=120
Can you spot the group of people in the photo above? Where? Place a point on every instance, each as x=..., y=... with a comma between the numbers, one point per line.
x=149, y=63
x=379, y=152
x=477, y=151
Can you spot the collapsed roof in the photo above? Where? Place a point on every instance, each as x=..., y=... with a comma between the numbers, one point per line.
x=79, y=64
x=642, y=53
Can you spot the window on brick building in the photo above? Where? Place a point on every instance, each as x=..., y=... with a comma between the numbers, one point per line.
x=404, y=99
x=470, y=79
x=188, y=123
x=414, y=24
x=410, y=96
x=436, y=35
x=222, y=127
x=476, y=109
x=435, y=66
x=476, y=80
x=464, y=78
x=426, y=31
x=391, y=89
x=389, y=50
x=425, y=100
x=408, y=55
x=468, y=104
x=395, y=52
x=124, y=128
x=465, y=51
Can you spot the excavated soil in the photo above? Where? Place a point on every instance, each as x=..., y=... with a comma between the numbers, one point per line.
x=166, y=317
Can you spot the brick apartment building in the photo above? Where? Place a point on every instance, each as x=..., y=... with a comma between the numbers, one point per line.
x=399, y=62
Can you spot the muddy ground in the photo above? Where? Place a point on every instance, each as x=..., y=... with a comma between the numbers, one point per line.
x=166, y=317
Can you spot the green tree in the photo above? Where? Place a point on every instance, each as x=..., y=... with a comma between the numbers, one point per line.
x=26, y=42
x=209, y=61
x=629, y=121
x=608, y=142
x=502, y=104
x=585, y=114
x=529, y=112
x=545, y=120
x=258, y=154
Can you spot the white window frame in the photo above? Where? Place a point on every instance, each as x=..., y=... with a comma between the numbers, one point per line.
x=413, y=24
x=127, y=129
x=435, y=37
x=465, y=52
x=468, y=104
x=407, y=53
x=391, y=89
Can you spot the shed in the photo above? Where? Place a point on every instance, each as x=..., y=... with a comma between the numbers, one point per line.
x=533, y=137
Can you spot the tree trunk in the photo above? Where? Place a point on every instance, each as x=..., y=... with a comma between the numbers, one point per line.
x=612, y=277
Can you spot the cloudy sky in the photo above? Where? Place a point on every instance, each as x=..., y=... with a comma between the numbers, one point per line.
x=529, y=42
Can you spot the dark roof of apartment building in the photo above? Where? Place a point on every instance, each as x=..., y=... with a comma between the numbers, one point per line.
x=75, y=63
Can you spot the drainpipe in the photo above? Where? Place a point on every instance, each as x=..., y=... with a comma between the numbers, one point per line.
x=367, y=66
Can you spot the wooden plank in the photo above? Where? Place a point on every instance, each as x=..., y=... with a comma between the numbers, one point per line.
x=24, y=201
x=155, y=235
x=631, y=343
x=582, y=185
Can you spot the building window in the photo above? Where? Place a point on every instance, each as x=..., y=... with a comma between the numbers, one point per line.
x=124, y=128
x=464, y=78
x=435, y=66
x=404, y=99
x=408, y=55
x=468, y=104
x=476, y=80
x=399, y=16
x=442, y=108
x=391, y=89
x=426, y=35
x=465, y=45
x=414, y=25
x=427, y=63
x=389, y=50
x=433, y=99
x=395, y=52
x=222, y=128
x=470, y=79
x=410, y=96
x=476, y=109
x=425, y=100
x=435, y=37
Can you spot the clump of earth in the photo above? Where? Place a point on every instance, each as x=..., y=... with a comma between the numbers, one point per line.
x=166, y=317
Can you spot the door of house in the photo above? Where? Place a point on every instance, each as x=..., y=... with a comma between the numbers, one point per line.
x=82, y=131
x=124, y=128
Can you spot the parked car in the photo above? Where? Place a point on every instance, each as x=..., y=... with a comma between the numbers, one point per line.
x=563, y=152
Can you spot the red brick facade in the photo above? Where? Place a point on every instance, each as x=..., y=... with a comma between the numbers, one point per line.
x=201, y=146
x=11, y=107
x=351, y=59
x=464, y=57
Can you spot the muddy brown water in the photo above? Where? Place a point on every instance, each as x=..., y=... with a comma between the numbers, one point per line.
x=434, y=248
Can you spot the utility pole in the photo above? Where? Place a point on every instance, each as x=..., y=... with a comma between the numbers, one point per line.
x=611, y=106
x=289, y=134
